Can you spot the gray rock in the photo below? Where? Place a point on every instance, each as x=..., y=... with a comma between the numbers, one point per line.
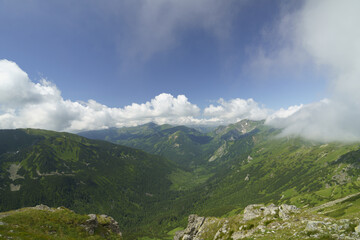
x=91, y=224
x=272, y=209
x=258, y=210
x=314, y=225
x=285, y=210
x=247, y=178
x=111, y=224
x=194, y=224
x=253, y=211
x=223, y=230
x=106, y=221
x=43, y=207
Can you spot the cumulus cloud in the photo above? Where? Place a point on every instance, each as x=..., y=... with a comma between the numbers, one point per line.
x=235, y=110
x=327, y=33
x=323, y=32
x=17, y=89
x=24, y=104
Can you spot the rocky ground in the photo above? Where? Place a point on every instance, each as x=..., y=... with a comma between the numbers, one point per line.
x=270, y=222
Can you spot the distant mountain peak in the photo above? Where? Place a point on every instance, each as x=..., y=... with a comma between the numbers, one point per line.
x=150, y=124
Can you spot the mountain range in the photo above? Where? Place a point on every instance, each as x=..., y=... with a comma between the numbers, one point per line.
x=151, y=177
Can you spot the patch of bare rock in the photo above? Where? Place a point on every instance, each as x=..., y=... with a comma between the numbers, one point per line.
x=270, y=222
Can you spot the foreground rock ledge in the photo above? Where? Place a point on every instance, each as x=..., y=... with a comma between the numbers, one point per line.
x=270, y=222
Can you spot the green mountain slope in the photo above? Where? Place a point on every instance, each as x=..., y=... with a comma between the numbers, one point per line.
x=221, y=172
x=246, y=162
x=61, y=169
x=184, y=145
x=281, y=170
x=181, y=144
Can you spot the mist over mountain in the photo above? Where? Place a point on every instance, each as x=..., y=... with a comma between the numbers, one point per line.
x=192, y=172
x=180, y=119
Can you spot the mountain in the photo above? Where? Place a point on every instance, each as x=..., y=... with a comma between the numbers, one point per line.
x=184, y=145
x=247, y=162
x=216, y=174
x=62, y=169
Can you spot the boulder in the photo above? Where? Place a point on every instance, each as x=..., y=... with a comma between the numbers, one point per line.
x=285, y=210
x=259, y=210
x=109, y=223
x=43, y=207
x=194, y=224
x=91, y=224
x=253, y=211
x=314, y=225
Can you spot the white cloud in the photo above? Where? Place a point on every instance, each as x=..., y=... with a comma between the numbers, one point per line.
x=322, y=121
x=17, y=89
x=40, y=105
x=235, y=110
x=283, y=113
x=324, y=34
x=24, y=103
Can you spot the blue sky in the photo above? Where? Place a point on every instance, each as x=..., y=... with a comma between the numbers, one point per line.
x=82, y=47
x=90, y=64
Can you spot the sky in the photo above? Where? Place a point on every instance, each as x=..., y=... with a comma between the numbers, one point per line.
x=83, y=65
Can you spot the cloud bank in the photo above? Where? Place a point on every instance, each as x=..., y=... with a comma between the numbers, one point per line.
x=24, y=104
x=235, y=110
x=323, y=34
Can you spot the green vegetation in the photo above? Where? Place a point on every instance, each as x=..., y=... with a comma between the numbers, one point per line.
x=29, y=223
x=87, y=176
x=214, y=173
x=187, y=180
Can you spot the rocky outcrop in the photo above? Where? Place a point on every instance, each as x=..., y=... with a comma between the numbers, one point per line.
x=270, y=222
x=91, y=224
x=45, y=208
x=109, y=223
x=194, y=224
x=105, y=221
x=259, y=210
x=285, y=210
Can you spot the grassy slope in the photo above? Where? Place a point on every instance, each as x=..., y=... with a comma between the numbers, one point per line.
x=261, y=168
x=60, y=169
x=289, y=170
x=29, y=223
x=180, y=144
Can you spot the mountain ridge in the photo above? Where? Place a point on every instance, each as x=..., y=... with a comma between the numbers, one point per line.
x=224, y=171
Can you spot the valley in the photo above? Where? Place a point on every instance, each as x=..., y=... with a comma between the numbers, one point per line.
x=179, y=171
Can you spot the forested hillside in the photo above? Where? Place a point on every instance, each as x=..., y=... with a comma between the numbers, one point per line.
x=215, y=174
